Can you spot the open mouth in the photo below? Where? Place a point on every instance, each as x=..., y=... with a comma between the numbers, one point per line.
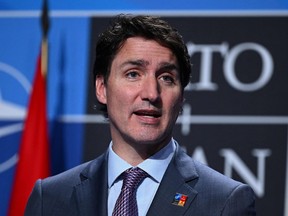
x=148, y=113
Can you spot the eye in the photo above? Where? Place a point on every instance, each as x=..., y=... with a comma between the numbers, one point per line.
x=167, y=79
x=132, y=74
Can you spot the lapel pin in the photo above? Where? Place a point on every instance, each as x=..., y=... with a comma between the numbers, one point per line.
x=179, y=199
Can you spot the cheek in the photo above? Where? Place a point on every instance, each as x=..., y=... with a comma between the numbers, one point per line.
x=175, y=101
x=119, y=98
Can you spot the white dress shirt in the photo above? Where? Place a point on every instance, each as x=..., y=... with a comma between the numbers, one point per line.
x=155, y=166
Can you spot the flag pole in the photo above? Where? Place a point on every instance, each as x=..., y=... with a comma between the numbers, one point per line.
x=44, y=43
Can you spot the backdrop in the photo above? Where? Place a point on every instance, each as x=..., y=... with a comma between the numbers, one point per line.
x=235, y=117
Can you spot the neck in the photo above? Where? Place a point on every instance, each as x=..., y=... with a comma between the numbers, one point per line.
x=135, y=154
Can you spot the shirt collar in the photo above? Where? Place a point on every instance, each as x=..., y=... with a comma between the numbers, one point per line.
x=155, y=165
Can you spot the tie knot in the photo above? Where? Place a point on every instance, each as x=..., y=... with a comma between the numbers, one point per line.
x=133, y=177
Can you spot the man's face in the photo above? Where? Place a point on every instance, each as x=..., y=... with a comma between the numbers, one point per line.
x=143, y=93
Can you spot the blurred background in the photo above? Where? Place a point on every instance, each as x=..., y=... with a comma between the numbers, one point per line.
x=235, y=117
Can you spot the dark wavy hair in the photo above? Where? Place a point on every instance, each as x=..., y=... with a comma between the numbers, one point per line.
x=149, y=27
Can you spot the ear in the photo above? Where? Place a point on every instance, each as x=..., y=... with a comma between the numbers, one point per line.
x=100, y=89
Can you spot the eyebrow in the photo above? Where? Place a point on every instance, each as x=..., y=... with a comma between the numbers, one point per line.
x=169, y=66
x=143, y=63
x=140, y=62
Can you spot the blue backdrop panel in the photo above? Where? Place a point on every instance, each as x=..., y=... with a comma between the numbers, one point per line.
x=144, y=5
x=68, y=57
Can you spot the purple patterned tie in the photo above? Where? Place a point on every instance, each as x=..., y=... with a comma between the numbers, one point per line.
x=126, y=204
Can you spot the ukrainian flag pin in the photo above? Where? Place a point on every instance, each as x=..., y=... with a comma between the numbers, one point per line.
x=179, y=199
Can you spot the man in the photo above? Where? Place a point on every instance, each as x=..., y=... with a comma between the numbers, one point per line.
x=140, y=72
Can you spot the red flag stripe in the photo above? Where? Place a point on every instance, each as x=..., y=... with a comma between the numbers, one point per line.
x=34, y=148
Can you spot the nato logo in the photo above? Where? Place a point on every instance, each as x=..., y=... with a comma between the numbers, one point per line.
x=14, y=91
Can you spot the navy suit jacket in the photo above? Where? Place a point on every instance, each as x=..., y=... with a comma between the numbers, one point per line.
x=83, y=191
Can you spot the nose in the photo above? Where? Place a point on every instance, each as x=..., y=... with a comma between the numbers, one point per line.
x=150, y=90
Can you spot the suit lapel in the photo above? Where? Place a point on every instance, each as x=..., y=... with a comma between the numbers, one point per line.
x=178, y=178
x=91, y=194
